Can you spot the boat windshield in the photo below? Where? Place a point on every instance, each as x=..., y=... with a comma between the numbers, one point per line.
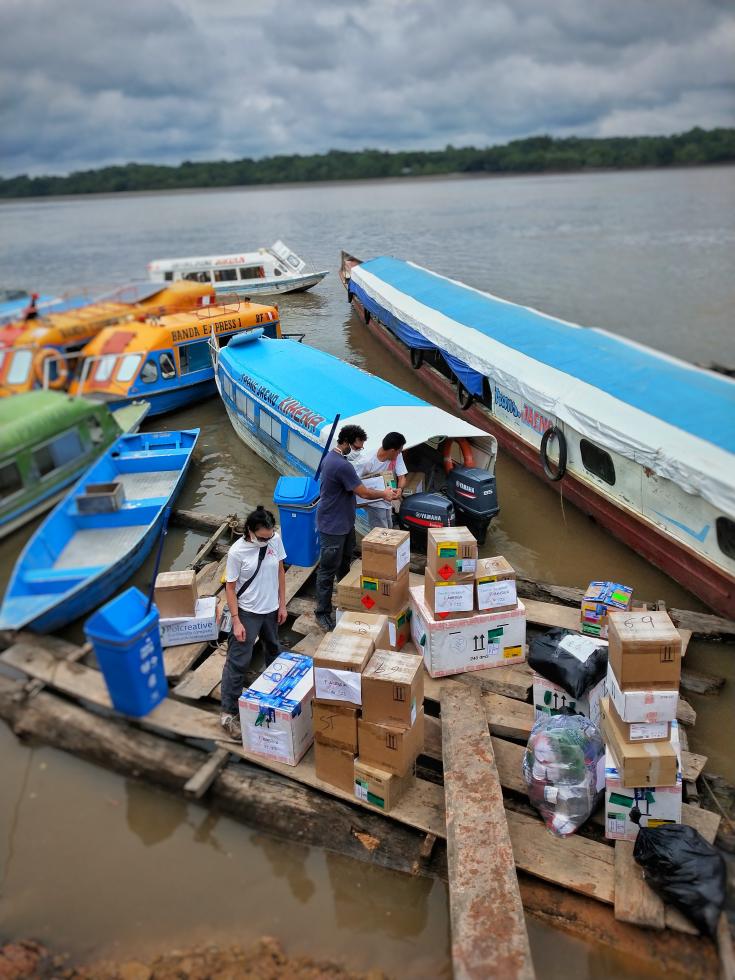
x=128, y=368
x=20, y=366
x=105, y=365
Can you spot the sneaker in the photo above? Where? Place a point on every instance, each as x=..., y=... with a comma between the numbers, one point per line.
x=231, y=725
x=325, y=621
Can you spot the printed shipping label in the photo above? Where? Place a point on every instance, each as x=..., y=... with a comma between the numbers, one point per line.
x=337, y=685
x=467, y=565
x=492, y=594
x=640, y=732
x=361, y=790
x=403, y=555
x=453, y=598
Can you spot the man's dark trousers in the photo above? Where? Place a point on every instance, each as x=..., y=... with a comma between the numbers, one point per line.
x=335, y=559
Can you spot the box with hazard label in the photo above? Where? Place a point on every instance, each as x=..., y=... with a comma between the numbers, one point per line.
x=384, y=595
x=451, y=553
x=495, y=584
x=448, y=599
x=627, y=809
x=474, y=642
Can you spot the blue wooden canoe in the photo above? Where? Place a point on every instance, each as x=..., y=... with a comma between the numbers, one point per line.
x=76, y=560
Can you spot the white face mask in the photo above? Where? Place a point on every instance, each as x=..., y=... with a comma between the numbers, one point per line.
x=353, y=454
x=260, y=544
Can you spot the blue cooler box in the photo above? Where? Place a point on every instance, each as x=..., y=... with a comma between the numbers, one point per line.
x=296, y=498
x=127, y=645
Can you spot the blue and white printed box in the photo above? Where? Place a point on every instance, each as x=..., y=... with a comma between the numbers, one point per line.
x=199, y=628
x=274, y=711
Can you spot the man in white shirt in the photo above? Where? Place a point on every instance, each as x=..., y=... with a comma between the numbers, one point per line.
x=387, y=459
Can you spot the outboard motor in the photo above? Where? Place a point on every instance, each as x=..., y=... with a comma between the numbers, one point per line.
x=475, y=497
x=420, y=511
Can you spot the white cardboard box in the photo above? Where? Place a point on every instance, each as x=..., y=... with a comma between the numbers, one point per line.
x=274, y=711
x=200, y=628
x=482, y=640
x=551, y=699
x=646, y=706
x=654, y=806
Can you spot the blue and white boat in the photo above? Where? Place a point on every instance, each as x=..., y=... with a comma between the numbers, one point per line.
x=79, y=556
x=641, y=441
x=282, y=398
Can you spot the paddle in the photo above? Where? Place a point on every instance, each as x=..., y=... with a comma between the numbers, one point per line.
x=164, y=529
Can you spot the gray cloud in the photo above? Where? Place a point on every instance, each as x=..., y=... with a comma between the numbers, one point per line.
x=84, y=85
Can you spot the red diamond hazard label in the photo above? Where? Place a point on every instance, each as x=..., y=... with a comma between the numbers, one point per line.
x=367, y=601
x=446, y=571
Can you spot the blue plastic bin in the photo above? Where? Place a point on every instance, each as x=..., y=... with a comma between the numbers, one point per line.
x=296, y=498
x=127, y=644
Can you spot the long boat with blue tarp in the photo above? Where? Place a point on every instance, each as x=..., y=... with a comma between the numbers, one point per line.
x=641, y=441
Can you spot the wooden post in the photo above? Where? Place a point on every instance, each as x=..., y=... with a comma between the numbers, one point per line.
x=489, y=937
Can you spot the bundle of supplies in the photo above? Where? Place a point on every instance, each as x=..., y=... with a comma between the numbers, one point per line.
x=275, y=713
x=183, y=616
x=637, y=718
x=600, y=599
x=563, y=767
x=569, y=673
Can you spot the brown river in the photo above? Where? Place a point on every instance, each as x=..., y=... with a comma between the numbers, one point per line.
x=101, y=866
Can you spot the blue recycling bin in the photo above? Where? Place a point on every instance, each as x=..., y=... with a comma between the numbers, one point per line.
x=296, y=498
x=127, y=643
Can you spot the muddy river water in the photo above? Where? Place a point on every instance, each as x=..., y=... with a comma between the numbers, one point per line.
x=100, y=865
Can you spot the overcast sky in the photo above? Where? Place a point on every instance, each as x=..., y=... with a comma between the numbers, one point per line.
x=85, y=83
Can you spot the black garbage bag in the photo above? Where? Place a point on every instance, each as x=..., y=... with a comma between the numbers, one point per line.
x=685, y=870
x=571, y=660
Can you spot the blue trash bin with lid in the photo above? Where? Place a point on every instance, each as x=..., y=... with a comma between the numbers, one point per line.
x=296, y=498
x=127, y=643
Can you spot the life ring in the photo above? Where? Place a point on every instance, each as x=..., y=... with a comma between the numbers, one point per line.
x=62, y=368
x=561, y=467
x=464, y=447
x=464, y=397
x=417, y=358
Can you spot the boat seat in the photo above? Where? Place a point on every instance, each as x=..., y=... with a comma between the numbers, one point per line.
x=36, y=575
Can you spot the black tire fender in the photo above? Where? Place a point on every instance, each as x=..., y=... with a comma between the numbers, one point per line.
x=551, y=474
x=417, y=358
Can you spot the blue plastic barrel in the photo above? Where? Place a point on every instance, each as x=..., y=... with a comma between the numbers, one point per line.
x=127, y=644
x=296, y=498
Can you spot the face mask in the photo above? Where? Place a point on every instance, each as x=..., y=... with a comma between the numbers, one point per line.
x=260, y=544
x=353, y=454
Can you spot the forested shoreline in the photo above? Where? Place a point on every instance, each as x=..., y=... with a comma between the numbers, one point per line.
x=534, y=155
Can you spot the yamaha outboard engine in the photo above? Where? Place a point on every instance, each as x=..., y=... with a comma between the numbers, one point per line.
x=475, y=497
x=420, y=511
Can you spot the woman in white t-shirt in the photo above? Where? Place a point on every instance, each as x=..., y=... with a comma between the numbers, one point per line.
x=255, y=561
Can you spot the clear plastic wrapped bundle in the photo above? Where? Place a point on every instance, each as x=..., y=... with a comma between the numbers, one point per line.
x=564, y=770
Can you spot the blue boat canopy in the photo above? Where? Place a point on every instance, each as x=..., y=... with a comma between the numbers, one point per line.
x=666, y=414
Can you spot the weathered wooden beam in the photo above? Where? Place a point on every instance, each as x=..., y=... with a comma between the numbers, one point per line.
x=203, y=778
x=489, y=937
x=635, y=901
x=209, y=544
x=697, y=682
x=200, y=521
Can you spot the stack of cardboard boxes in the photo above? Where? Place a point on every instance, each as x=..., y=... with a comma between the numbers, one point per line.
x=600, y=599
x=638, y=720
x=467, y=616
x=183, y=617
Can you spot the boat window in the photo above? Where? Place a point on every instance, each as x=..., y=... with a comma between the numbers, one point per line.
x=225, y=275
x=270, y=425
x=191, y=276
x=726, y=536
x=252, y=272
x=66, y=448
x=128, y=367
x=168, y=368
x=251, y=410
x=277, y=272
x=597, y=461
x=149, y=372
x=304, y=451
x=168, y=276
x=10, y=480
x=194, y=357
x=20, y=367
x=241, y=400
x=105, y=366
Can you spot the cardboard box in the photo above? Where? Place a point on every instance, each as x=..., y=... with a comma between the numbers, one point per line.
x=393, y=688
x=451, y=553
x=627, y=808
x=551, y=699
x=473, y=643
x=636, y=731
x=647, y=706
x=448, y=599
x=384, y=595
x=598, y=600
x=335, y=766
x=645, y=648
x=274, y=711
x=379, y=788
x=339, y=661
x=399, y=630
x=495, y=584
x=360, y=623
x=348, y=589
x=175, y=594
x=392, y=749
x=638, y=763
x=335, y=724
x=199, y=628
x=385, y=553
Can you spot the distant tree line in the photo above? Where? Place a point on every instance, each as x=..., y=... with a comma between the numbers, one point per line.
x=537, y=154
